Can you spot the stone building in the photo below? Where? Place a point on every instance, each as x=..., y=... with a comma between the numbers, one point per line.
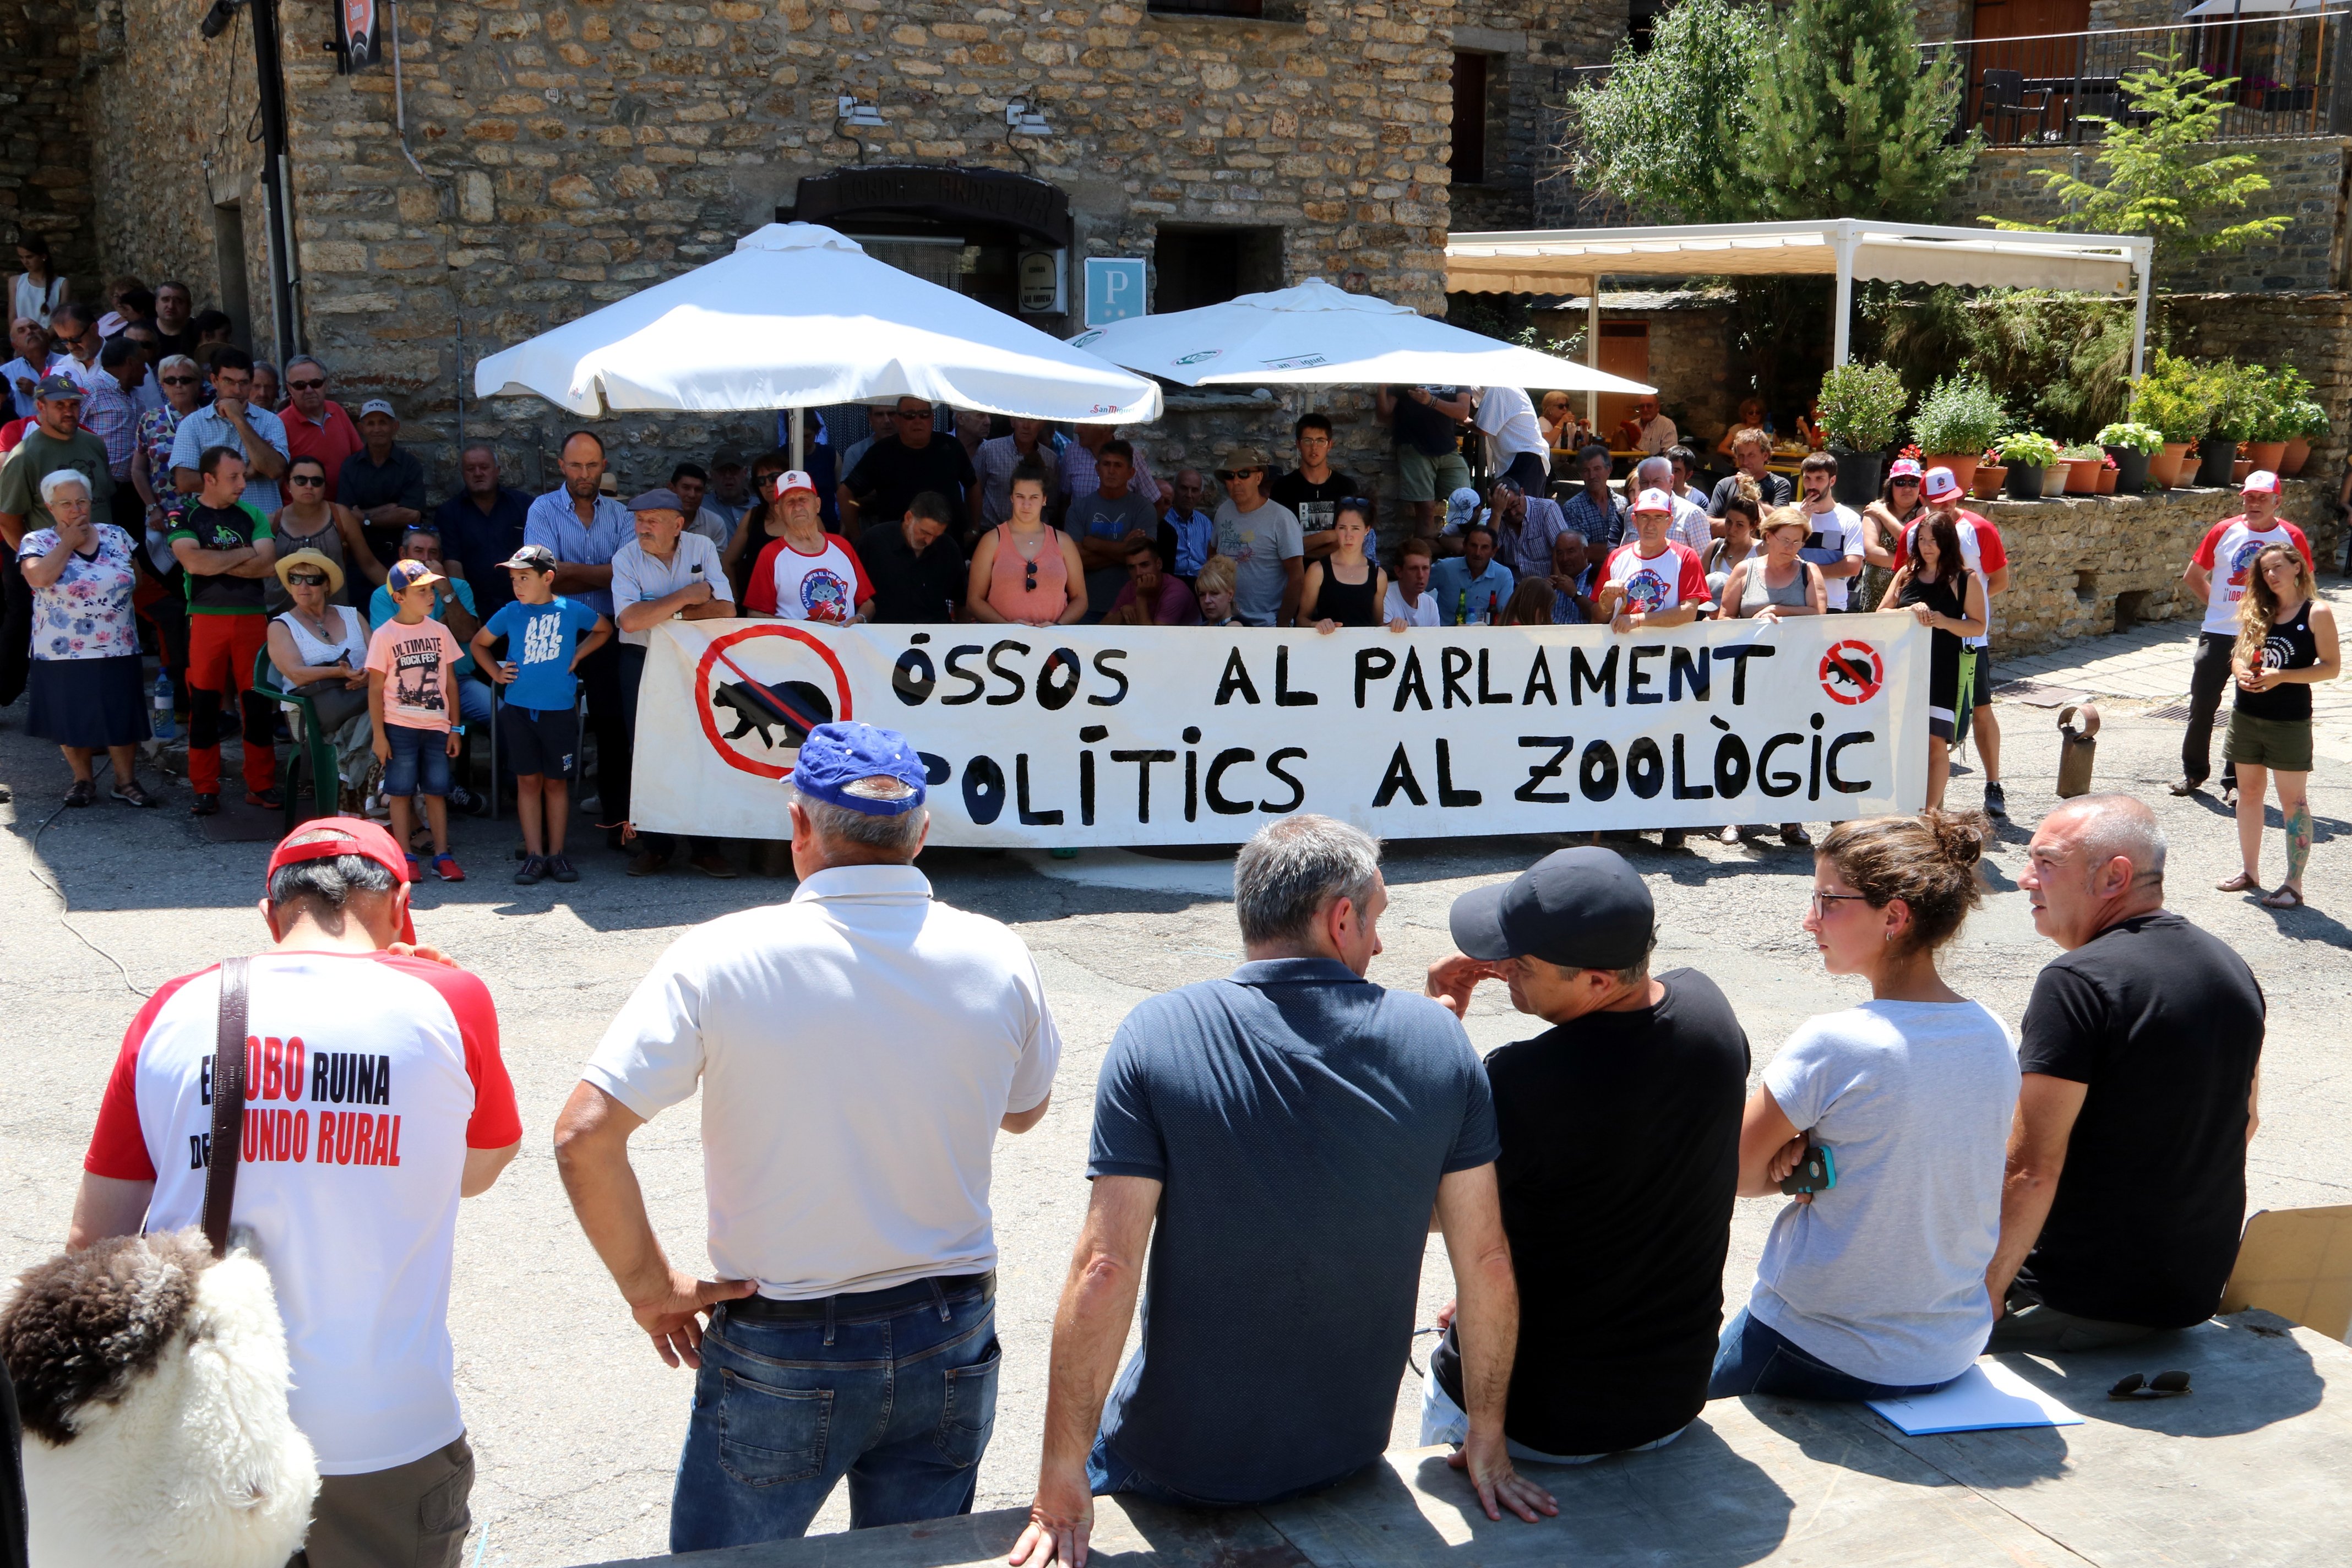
x=502, y=167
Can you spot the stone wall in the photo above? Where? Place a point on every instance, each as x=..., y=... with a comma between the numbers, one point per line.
x=2311, y=331
x=2074, y=562
x=1531, y=48
x=45, y=186
x=2308, y=179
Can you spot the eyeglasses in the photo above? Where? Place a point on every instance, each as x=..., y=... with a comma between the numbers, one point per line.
x=1029, y=579
x=306, y=579
x=307, y=479
x=304, y=385
x=1821, y=900
x=922, y=413
x=179, y=381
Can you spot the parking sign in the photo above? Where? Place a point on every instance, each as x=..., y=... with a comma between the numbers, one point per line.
x=1114, y=289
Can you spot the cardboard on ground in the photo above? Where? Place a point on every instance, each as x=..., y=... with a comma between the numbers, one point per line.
x=1985, y=1398
x=2298, y=1264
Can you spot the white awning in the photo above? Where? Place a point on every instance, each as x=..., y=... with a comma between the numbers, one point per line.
x=1566, y=261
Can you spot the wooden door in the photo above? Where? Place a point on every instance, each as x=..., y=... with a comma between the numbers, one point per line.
x=2037, y=58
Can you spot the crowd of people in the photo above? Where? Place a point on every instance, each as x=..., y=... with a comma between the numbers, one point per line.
x=1955, y=1184
x=239, y=520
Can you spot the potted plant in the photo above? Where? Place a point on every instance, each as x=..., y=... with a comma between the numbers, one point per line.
x=2241, y=408
x=2131, y=446
x=1861, y=414
x=2083, y=465
x=2028, y=455
x=2266, y=448
x=2107, y=476
x=1990, y=472
x=1958, y=417
x=2172, y=396
x=2307, y=422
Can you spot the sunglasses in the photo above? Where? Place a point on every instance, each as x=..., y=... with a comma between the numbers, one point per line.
x=179, y=381
x=1029, y=578
x=304, y=385
x=1903, y=480
x=306, y=579
x=924, y=414
x=1230, y=475
x=307, y=479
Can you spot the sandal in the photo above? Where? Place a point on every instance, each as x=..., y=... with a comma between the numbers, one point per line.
x=129, y=792
x=83, y=792
x=2284, y=898
x=2241, y=883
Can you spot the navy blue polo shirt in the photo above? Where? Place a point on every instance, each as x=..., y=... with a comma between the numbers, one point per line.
x=1301, y=1118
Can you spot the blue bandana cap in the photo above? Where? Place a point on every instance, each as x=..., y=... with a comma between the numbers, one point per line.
x=860, y=768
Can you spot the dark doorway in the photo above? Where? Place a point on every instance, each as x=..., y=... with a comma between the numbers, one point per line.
x=1199, y=267
x=1468, y=161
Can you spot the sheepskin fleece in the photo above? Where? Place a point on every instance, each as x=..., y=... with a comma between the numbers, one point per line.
x=192, y=1460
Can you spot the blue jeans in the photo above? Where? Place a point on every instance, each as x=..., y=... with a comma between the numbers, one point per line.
x=420, y=761
x=895, y=1389
x=1754, y=1359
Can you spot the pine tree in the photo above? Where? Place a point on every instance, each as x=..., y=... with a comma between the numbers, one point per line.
x=1846, y=123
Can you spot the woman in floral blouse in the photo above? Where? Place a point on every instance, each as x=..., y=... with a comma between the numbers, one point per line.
x=85, y=685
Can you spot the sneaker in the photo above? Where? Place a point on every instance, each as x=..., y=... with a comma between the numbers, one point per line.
x=713, y=866
x=559, y=868
x=204, y=806
x=1730, y=838
x=2185, y=787
x=1996, y=803
x=415, y=871
x=644, y=863
x=445, y=866
x=270, y=799
x=532, y=869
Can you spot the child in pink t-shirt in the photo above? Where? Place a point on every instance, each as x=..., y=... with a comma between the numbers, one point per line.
x=412, y=692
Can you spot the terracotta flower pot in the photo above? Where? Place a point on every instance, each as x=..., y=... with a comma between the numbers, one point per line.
x=1986, y=484
x=2107, y=477
x=2082, y=474
x=2298, y=452
x=2267, y=455
x=2167, y=467
x=2239, y=469
x=1962, y=464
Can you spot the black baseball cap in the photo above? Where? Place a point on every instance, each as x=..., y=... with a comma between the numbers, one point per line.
x=1582, y=909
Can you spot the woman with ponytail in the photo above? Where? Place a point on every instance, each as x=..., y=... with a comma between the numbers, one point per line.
x=1873, y=1286
x=2286, y=642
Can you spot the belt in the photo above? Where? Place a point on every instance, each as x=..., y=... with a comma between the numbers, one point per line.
x=926, y=1291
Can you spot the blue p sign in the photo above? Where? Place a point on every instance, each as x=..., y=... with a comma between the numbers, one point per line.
x=1114, y=289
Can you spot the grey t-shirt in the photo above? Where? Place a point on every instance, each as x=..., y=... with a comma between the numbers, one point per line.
x=1882, y=1275
x=1301, y=1118
x=1259, y=543
x=1098, y=516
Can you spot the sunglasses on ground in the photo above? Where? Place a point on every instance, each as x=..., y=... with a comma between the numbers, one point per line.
x=2139, y=1386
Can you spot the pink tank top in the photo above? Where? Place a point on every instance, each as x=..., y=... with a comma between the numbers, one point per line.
x=1010, y=590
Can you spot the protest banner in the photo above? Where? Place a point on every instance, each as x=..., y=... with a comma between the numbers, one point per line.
x=1068, y=736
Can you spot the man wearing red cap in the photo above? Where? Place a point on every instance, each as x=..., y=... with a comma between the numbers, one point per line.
x=376, y=1099
x=2217, y=574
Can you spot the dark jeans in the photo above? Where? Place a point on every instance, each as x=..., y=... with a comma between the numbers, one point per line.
x=895, y=1389
x=1526, y=471
x=2030, y=1324
x=612, y=718
x=2209, y=678
x=632, y=673
x=1753, y=1358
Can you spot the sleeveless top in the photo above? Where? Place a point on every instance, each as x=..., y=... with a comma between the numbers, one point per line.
x=1009, y=593
x=1945, y=596
x=315, y=654
x=2290, y=646
x=1757, y=592
x=1350, y=604
x=328, y=542
x=35, y=301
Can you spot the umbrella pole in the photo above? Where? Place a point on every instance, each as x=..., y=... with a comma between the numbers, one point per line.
x=799, y=441
x=1593, y=353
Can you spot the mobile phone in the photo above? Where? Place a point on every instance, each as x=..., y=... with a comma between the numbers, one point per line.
x=1815, y=1172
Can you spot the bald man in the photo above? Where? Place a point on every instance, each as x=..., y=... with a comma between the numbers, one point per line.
x=2127, y=1184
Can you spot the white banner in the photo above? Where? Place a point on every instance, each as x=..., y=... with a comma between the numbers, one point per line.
x=1095, y=735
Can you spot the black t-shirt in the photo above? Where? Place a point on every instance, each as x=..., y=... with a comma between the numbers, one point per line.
x=911, y=589
x=892, y=474
x=1775, y=490
x=1316, y=504
x=2164, y=1022
x=1621, y=1160
x=1425, y=428
x=2290, y=646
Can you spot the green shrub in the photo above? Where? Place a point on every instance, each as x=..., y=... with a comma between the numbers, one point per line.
x=2146, y=440
x=1861, y=406
x=2082, y=452
x=2244, y=406
x=2176, y=396
x=1958, y=413
x=2301, y=421
x=2023, y=449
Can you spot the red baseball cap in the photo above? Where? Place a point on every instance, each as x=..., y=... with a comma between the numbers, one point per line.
x=332, y=836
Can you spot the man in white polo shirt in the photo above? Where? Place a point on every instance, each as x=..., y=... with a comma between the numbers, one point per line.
x=857, y=1049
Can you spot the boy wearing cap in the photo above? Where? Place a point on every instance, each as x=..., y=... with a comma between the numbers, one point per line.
x=377, y=1099
x=858, y=1050
x=1617, y=1234
x=412, y=693
x=538, y=725
x=383, y=482
x=2217, y=574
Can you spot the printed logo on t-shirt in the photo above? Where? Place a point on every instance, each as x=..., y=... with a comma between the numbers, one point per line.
x=2278, y=653
x=2241, y=562
x=1647, y=591
x=308, y=1107
x=542, y=637
x=824, y=595
x=416, y=674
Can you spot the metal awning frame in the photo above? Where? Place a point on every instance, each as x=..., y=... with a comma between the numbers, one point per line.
x=1575, y=260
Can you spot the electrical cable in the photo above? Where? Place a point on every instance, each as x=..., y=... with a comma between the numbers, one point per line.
x=67, y=905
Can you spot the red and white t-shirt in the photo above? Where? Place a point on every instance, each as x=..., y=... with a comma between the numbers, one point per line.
x=1666, y=581
x=2227, y=553
x=826, y=586
x=1981, y=552
x=368, y=1077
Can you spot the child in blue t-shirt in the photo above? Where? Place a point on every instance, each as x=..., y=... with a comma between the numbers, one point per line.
x=537, y=726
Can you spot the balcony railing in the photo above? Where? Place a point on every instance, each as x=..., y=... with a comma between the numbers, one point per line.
x=2046, y=89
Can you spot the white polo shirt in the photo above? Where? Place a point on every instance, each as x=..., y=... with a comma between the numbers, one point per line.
x=856, y=1049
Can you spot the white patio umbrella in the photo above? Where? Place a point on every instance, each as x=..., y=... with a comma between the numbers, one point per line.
x=1315, y=334
x=2251, y=7
x=800, y=316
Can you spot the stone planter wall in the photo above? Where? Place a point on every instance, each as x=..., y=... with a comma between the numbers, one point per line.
x=2084, y=565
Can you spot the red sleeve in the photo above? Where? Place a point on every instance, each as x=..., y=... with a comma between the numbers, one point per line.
x=2300, y=543
x=1693, y=590
x=2211, y=541
x=1991, y=554
x=857, y=567
x=760, y=593
x=497, y=1121
x=118, y=1148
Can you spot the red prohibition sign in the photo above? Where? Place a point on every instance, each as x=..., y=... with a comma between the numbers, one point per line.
x=1852, y=672
x=716, y=654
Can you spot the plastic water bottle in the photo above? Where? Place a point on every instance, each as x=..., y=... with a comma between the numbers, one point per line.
x=164, y=726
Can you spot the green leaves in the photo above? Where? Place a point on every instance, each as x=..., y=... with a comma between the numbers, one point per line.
x=1659, y=133
x=1959, y=413
x=1862, y=405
